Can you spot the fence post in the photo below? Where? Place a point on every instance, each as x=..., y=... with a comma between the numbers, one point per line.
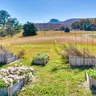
x=10, y=91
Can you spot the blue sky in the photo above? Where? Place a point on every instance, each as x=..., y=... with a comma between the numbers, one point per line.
x=43, y=10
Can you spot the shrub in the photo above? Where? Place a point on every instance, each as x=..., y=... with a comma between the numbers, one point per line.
x=67, y=29
x=42, y=57
x=29, y=29
x=21, y=54
x=2, y=34
x=3, y=49
x=65, y=50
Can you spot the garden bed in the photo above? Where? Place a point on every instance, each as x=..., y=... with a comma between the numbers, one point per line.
x=6, y=58
x=13, y=79
x=40, y=59
x=91, y=78
x=82, y=61
x=78, y=56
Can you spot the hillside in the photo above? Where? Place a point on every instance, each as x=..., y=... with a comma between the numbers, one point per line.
x=48, y=26
x=70, y=21
x=55, y=24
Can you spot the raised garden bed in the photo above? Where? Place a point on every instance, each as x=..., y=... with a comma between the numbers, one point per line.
x=91, y=78
x=13, y=79
x=6, y=57
x=82, y=61
x=40, y=59
x=78, y=57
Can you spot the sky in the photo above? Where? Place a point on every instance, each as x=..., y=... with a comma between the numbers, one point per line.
x=39, y=11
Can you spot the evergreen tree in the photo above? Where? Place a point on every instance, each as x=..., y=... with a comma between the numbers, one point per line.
x=67, y=29
x=29, y=29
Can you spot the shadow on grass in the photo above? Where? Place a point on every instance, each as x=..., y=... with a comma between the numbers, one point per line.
x=81, y=68
x=57, y=68
x=2, y=64
x=68, y=67
x=93, y=90
x=39, y=65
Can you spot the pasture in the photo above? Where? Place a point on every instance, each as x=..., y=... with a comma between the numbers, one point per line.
x=56, y=78
x=47, y=37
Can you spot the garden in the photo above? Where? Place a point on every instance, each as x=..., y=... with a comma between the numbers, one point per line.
x=56, y=78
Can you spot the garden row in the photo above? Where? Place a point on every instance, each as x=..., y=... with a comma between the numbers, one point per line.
x=13, y=79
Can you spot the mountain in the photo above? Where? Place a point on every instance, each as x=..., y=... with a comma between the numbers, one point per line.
x=54, y=21
x=70, y=21
x=67, y=22
x=48, y=26
x=56, y=24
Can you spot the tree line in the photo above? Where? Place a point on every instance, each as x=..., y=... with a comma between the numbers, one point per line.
x=85, y=24
x=8, y=25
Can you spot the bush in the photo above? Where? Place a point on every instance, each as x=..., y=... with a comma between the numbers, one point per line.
x=21, y=54
x=29, y=29
x=3, y=49
x=42, y=57
x=2, y=34
x=67, y=29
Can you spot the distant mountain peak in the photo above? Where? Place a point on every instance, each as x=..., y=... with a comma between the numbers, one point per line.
x=54, y=21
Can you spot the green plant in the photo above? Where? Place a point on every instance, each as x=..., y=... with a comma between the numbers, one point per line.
x=92, y=73
x=41, y=56
x=15, y=81
x=29, y=29
x=3, y=84
x=67, y=29
x=21, y=54
x=3, y=49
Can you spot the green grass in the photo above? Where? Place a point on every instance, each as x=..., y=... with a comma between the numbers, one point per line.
x=54, y=79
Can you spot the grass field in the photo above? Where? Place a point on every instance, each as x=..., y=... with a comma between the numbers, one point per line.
x=47, y=37
x=56, y=78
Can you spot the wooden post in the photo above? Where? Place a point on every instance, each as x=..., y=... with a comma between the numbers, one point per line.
x=5, y=58
x=10, y=91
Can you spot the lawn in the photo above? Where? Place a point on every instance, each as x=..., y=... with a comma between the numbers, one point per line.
x=54, y=79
